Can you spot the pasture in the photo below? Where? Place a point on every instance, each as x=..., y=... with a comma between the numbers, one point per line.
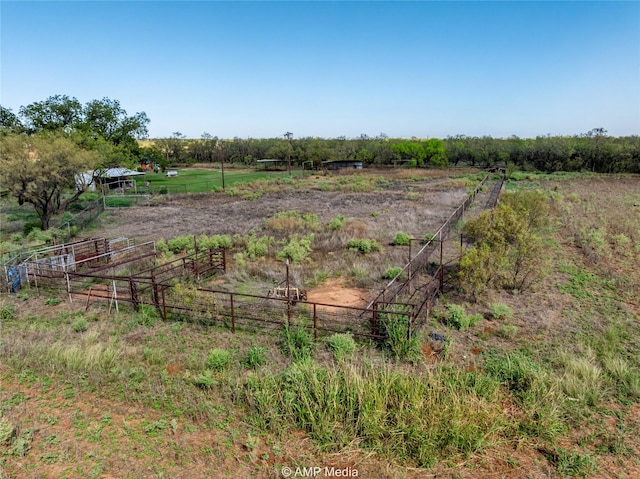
x=543, y=382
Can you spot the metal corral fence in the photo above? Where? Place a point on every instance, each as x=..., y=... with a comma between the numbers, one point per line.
x=422, y=279
x=67, y=228
x=115, y=272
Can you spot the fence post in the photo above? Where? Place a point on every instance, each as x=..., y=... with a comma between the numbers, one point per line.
x=441, y=266
x=233, y=314
x=164, y=305
x=315, y=321
x=374, y=319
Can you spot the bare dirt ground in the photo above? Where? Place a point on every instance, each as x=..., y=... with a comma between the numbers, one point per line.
x=417, y=205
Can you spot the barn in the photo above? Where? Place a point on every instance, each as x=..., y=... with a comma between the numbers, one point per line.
x=112, y=178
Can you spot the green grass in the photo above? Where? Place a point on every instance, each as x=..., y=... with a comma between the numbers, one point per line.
x=196, y=180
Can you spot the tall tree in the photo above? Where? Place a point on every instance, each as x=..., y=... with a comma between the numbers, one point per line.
x=58, y=112
x=9, y=121
x=44, y=170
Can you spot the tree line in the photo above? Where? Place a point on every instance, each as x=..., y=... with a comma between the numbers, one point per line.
x=46, y=144
x=105, y=127
x=594, y=151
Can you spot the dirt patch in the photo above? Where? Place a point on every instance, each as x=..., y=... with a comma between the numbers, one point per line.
x=333, y=291
x=217, y=213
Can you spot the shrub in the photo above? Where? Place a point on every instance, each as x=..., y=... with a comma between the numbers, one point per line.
x=258, y=247
x=401, y=239
x=7, y=312
x=393, y=272
x=506, y=252
x=218, y=359
x=337, y=222
x=80, y=325
x=341, y=345
x=214, y=241
x=297, y=343
x=395, y=326
x=297, y=249
x=457, y=318
x=500, y=311
x=364, y=245
x=205, y=380
x=29, y=226
x=256, y=356
x=181, y=244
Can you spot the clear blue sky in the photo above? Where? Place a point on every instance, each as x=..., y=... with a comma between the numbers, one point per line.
x=328, y=69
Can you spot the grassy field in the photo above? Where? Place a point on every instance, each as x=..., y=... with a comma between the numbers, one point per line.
x=539, y=382
x=199, y=180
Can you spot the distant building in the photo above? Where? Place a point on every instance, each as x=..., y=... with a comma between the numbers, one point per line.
x=271, y=163
x=110, y=177
x=342, y=164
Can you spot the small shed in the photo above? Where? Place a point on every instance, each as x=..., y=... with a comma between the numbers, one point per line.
x=271, y=163
x=342, y=164
x=112, y=178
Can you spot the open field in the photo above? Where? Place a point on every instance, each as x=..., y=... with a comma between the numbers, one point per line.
x=545, y=384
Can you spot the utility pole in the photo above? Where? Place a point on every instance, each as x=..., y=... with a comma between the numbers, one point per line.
x=288, y=136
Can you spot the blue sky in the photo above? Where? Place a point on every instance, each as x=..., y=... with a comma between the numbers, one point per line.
x=328, y=69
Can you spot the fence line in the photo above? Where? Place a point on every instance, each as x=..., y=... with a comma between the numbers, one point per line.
x=149, y=285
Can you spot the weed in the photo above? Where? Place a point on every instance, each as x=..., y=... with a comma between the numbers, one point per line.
x=255, y=357
x=218, y=359
x=337, y=222
x=364, y=245
x=401, y=239
x=341, y=345
x=297, y=343
x=573, y=465
x=52, y=301
x=507, y=331
x=393, y=272
x=7, y=430
x=80, y=325
x=297, y=249
x=457, y=318
x=400, y=341
x=7, y=312
x=500, y=311
x=205, y=380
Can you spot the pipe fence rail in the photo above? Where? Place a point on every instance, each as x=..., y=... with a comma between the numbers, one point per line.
x=136, y=280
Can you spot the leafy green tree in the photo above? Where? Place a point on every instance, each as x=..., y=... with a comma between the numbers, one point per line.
x=109, y=120
x=409, y=151
x=44, y=170
x=9, y=121
x=435, y=152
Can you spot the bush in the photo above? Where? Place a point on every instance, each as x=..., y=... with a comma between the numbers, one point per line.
x=401, y=239
x=30, y=226
x=364, y=245
x=214, y=241
x=337, y=222
x=297, y=249
x=506, y=252
x=7, y=312
x=395, y=326
x=392, y=272
x=341, y=345
x=258, y=247
x=297, y=343
x=181, y=244
x=80, y=325
x=500, y=311
x=218, y=359
x=457, y=318
x=256, y=356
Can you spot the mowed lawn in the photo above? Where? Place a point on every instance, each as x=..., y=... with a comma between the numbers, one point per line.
x=198, y=180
